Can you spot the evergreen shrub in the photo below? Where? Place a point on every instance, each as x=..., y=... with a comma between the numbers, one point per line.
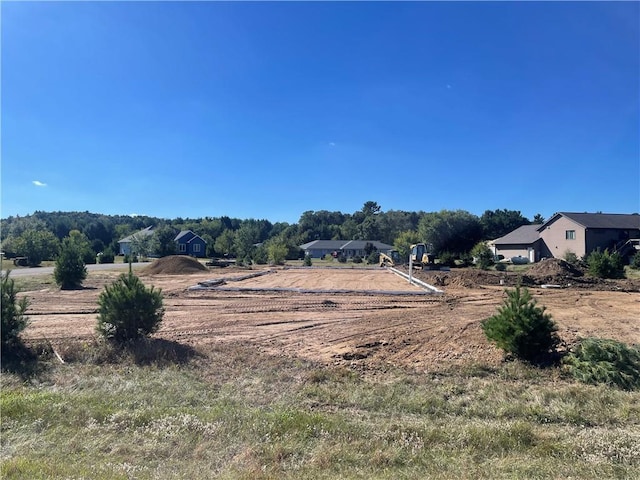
x=70, y=270
x=128, y=310
x=605, y=264
x=606, y=361
x=521, y=328
x=14, y=320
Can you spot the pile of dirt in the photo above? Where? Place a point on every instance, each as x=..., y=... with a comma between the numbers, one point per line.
x=470, y=278
x=554, y=267
x=174, y=265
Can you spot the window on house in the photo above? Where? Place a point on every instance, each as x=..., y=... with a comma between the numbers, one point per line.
x=196, y=247
x=570, y=234
x=182, y=248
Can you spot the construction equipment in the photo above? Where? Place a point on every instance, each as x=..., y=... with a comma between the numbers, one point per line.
x=390, y=258
x=421, y=257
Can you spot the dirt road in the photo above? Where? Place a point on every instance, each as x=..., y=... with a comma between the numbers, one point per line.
x=402, y=327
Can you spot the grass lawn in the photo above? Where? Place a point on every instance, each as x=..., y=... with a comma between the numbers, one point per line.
x=169, y=412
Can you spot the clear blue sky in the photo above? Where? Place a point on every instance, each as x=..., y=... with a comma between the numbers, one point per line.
x=266, y=110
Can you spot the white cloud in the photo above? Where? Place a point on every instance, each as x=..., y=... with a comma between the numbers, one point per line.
x=448, y=86
x=38, y=183
x=331, y=144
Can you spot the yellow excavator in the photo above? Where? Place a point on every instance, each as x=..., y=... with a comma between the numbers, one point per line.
x=390, y=258
x=421, y=256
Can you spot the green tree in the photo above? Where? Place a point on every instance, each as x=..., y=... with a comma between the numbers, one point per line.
x=128, y=310
x=277, y=253
x=403, y=243
x=141, y=245
x=455, y=231
x=498, y=223
x=224, y=242
x=14, y=320
x=82, y=245
x=605, y=264
x=521, y=328
x=245, y=239
x=538, y=219
x=482, y=255
x=37, y=245
x=163, y=241
x=70, y=270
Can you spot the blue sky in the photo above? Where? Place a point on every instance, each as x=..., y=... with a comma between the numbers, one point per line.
x=266, y=110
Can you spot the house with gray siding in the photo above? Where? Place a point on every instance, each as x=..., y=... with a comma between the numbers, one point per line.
x=348, y=248
x=524, y=242
x=125, y=244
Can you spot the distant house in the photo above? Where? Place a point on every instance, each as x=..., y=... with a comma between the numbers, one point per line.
x=348, y=248
x=578, y=233
x=524, y=242
x=125, y=243
x=582, y=233
x=190, y=244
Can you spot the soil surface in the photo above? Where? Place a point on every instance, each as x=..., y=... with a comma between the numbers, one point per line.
x=364, y=317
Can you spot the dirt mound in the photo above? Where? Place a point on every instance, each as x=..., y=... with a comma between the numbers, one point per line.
x=554, y=267
x=174, y=265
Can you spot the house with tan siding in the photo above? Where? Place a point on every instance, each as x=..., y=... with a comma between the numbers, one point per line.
x=582, y=233
x=579, y=233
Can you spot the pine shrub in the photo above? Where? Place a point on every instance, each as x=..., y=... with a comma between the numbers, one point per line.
x=14, y=320
x=635, y=261
x=521, y=328
x=128, y=310
x=70, y=270
x=307, y=261
x=599, y=360
x=605, y=264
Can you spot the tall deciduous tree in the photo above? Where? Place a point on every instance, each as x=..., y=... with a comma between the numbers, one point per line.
x=498, y=223
x=37, y=245
x=224, y=243
x=448, y=230
x=403, y=242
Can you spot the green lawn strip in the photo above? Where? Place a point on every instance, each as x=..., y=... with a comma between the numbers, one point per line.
x=249, y=417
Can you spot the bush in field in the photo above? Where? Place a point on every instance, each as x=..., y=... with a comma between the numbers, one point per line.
x=128, y=310
x=635, y=261
x=342, y=258
x=482, y=255
x=598, y=360
x=521, y=328
x=277, y=253
x=130, y=258
x=501, y=267
x=70, y=270
x=357, y=259
x=447, y=259
x=373, y=258
x=107, y=256
x=261, y=255
x=605, y=264
x=307, y=261
x=13, y=317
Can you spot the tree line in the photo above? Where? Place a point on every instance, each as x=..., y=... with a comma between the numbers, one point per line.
x=40, y=236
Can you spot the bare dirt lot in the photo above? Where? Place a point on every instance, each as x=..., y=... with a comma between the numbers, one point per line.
x=367, y=317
